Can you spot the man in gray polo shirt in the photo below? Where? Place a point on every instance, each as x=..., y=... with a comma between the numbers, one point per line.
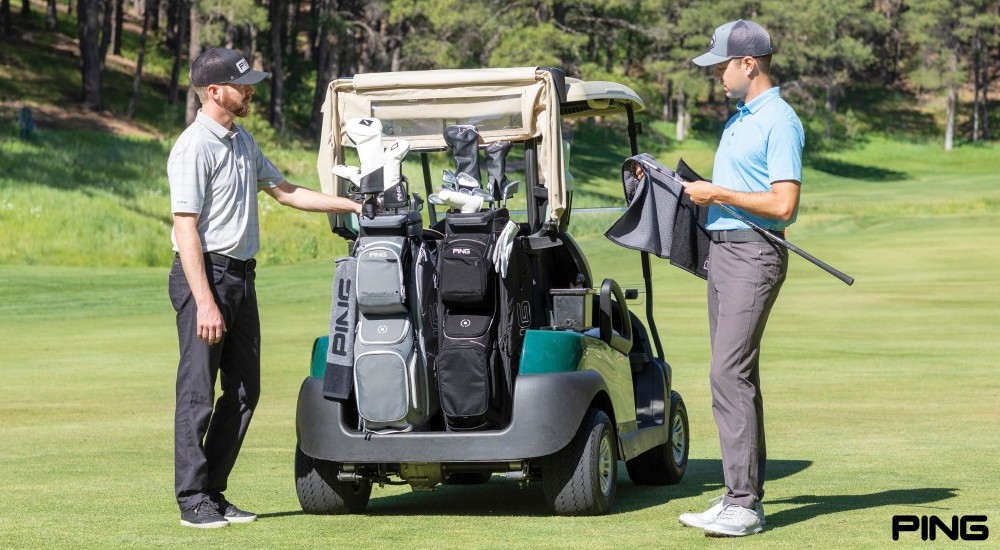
x=758, y=170
x=215, y=171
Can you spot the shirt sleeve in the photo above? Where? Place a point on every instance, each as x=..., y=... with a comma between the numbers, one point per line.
x=268, y=174
x=784, y=151
x=188, y=172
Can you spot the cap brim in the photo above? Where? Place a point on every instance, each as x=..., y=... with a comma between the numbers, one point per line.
x=251, y=77
x=708, y=59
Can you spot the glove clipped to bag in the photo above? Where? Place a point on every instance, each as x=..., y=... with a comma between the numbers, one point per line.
x=503, y=247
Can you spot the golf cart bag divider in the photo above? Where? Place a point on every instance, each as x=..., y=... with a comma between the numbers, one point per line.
x=473, y=382
x=395, y=389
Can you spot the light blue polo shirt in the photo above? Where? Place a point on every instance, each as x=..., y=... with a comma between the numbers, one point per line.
x=762, y=143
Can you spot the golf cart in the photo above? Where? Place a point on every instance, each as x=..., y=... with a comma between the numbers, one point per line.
x=470, y=340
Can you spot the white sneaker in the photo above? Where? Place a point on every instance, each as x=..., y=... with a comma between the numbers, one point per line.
x=737, y=521
x=702, y=520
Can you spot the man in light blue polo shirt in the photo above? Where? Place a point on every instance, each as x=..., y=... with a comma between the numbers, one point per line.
x=215, y=171
x=758, y=171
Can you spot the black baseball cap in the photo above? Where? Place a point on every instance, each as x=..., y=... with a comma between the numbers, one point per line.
x=224, y=66
x=736, y=39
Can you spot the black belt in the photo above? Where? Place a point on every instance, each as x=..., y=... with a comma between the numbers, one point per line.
x=231, y=264
x=742, y=236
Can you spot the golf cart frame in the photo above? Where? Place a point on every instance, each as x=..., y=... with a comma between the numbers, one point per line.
x=589, y=390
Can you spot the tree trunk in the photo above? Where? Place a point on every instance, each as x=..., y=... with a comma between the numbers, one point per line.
x=668, y=93
x=51, y=20
x=25, y=8
x=277, y=67
x=326, y=57
x=977, y=84
x=108, y=12
x=88, y=29
x=949, y=126
x=194, y=50
x=133, y=102
x=154, y=23
x=5, y=18
x=180, y=11
x=681, y=132
x=116, y=47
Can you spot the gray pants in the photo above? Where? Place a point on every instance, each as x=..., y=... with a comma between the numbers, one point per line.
x=207, y=439
x=743, y=284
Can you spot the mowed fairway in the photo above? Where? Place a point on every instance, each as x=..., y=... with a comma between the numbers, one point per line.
x=881, y=399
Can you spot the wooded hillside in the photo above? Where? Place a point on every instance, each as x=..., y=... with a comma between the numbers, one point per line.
x=846, y=65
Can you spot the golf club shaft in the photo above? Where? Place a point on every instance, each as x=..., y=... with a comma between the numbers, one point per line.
x=847, y=279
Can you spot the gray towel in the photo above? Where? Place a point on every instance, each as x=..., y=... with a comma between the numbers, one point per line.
x=648, y=222
x=339, y=377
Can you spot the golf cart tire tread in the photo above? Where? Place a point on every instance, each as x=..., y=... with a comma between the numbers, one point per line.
x=657, y=466
x=320, y=492
x=569, y=480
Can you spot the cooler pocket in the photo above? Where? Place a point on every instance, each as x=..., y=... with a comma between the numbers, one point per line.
x=382, y=386
x=463, y=376
x=380, y=281
x=465, y=271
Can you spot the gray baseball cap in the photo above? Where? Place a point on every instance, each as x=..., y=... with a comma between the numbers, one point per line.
x=736, y=39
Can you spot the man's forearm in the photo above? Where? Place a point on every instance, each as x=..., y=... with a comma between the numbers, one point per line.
x=303, y=198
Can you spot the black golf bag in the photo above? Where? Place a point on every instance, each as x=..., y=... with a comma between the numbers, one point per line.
x=478, y=314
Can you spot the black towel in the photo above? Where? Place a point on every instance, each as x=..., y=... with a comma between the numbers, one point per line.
x=339, y=379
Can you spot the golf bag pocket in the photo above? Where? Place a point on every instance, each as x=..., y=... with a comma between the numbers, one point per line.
x=393, y=386
x=469, y=370
x=464, y=379
x=380, y=276
x=465, y=269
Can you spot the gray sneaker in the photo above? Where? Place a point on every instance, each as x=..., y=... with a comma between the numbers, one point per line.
x=702, y=520
x=736, y=521
x=232, y=513
x=204, y=516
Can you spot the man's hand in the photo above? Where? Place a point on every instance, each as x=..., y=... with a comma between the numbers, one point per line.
x=211, y=326
x=701, y=192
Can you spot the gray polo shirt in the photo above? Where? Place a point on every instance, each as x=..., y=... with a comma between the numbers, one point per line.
x=216, y=173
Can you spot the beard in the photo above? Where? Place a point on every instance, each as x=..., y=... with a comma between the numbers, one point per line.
x=237, y=108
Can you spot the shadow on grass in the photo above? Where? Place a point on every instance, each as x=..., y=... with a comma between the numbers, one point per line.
x=507, y=498
x=854, y=171
x=812, y=506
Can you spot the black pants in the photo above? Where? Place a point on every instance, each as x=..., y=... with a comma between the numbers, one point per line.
x=207, y=439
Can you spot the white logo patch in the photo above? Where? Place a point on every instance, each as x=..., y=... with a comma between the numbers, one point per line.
x=242, y=66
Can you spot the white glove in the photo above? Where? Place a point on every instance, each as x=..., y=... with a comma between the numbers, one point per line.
x=392, y=171
x=503, y=247
x=366, y=133
x=466, y=204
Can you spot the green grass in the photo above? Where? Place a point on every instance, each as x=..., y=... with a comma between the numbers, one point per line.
x=880, y=398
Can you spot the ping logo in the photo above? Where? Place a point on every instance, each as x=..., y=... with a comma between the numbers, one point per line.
x=341, y=327
x=960, y=527
x=382, y=329
x=462, y=251
x=378, y=254
x=242, y=66
x=465, y=323
x=366, y=122
x=524, y=313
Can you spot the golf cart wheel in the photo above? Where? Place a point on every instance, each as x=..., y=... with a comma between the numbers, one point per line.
x=320, y=492
x=582, y=478
x=666, y=463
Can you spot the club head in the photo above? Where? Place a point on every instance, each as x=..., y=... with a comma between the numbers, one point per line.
x=510, y=189
x=466, y=181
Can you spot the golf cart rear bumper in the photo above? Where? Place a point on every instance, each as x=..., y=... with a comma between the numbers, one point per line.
x=548, y=409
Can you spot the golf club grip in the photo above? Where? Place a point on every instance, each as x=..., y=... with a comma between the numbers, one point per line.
x=847, y=279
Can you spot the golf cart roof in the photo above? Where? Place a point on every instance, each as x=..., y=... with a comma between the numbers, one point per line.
x=513, y=104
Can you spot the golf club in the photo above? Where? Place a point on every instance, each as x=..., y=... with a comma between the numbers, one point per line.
x=847, y=279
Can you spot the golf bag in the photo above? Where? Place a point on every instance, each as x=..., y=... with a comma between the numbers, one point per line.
x=475, y=376
x=393, y=380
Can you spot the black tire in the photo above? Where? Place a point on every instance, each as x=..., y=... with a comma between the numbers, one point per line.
x=666, y=463
x=582, y=478
x=320, y=492
x=467, y=478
